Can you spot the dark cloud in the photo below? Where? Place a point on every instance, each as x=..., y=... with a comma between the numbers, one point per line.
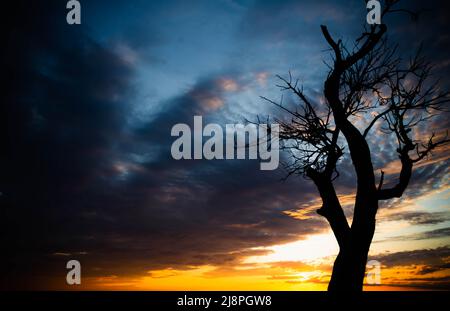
x=272, y=20
x=64, y=109
x=415, y=257
x=72, y=186
x=432, y=269
x=420, y=264
x=432, y=234
x=420, y=218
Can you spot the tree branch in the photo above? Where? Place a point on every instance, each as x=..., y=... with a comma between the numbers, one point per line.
x=405, y=176
x=331, y=208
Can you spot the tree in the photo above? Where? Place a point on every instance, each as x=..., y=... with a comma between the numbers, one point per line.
x=366, y=82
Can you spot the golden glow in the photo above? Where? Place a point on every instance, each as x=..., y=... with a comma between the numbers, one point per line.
x=314, y=247
x=304, y=264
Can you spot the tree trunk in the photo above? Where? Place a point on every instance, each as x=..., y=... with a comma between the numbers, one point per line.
x=350, y=264
x=348, y=270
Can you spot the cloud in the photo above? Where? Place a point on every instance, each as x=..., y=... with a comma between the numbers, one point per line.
x=432, y=269
x=432, y=234
x=95, y=186
x=419, y=218
x=414, y=257
x=422, y=268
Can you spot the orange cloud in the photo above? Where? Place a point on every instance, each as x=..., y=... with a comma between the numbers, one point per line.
x=261, y=78
x=228, y=85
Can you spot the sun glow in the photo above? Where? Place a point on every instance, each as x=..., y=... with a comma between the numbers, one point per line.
x=313, y=248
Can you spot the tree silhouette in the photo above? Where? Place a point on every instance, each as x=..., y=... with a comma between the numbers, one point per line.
x=368, y=82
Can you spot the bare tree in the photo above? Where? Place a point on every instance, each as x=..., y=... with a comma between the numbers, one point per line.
x=370, y=82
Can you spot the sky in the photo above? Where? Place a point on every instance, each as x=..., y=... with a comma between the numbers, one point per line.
x=87, y=172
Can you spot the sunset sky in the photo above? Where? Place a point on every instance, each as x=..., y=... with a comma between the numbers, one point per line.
x=87, y=173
